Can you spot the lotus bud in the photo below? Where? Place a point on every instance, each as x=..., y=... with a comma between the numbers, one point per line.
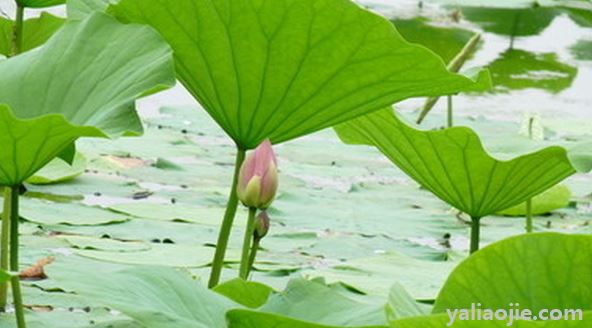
x=258, y=178
x=261, y=225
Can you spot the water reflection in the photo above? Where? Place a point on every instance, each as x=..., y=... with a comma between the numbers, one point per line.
x=582, y=50
x=445, y=41
x=512, y=22
x=517, y=69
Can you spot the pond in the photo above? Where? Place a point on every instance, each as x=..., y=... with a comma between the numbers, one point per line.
x=343, y=213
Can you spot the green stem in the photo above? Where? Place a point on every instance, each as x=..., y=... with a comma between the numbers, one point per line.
x=226, y=227
x=244, y=266
x=13, y=209
x=4, y=245
x=17, y=42
x=475, y=232
x=253, y=254
x=529, y=215
x=454, y=66
x=450, y=122
x=18, y=302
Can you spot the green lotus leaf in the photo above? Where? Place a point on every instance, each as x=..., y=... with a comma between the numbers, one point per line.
x=312, y=304
x=538, y=271
x=156, y=297
x=59, y=170
x=555, y=198
x=453, y=164
x=81, y=83
x=247, y=293
x=78, y=9
x=283, y=69
x=40, y=3
x=35, y=32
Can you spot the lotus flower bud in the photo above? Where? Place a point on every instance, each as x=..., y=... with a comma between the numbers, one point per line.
x=261, y=225
x=258, y=178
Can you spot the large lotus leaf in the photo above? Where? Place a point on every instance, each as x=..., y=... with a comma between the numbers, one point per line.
x=283, y=69
x=82, y=82
x=307, y=303
x=40, y=3
x=156, y=297
x=30, y=144
x=537, y=271
x=78, y=9
x=453, y=164
x=519, y=69
x=35, y=32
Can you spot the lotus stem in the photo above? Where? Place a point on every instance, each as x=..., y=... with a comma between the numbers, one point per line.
x=253, y=254
x=475, y=232
x=226, y=227
x=450, y=118
x=245, y=260
x=17, y=42
x=4, y=245
x=529, y=215
x=14, y=256
x=454, y=66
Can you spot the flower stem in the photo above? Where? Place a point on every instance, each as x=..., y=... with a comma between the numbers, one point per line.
x=13, y=210
x=226, y=223
x=450, y=113
x=4, y=245
x=244, y=266
x=17, y=41
x=253, y=254
x=475, y=231
x=529, y=215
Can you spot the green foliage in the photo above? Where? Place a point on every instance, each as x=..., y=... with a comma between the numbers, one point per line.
x=555, y=198
x=78, y=9
x=59, y=171
x=453, y=164
x=315, y=302
x=100, y=58
x=155, y=297
x=536, y=271
x=283, y=69
x=40, y=3
x=36, y=32
x=249, y=294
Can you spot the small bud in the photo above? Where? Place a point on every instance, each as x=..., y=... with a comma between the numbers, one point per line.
x=261, y=225
x=258, y=178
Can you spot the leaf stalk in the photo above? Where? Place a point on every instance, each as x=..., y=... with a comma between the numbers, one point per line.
x=249, y=231
x=475, y=233
x=226, y=226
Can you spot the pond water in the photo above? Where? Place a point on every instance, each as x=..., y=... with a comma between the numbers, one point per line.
x=343, y=212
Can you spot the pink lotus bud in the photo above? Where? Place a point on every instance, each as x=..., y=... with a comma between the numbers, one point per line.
x=258, y=178
x=261, y=225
